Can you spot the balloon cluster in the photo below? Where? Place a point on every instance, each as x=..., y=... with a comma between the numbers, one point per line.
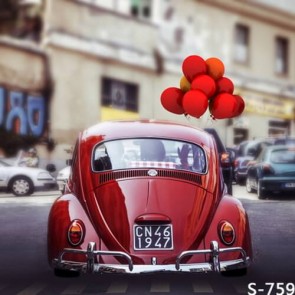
x=203, y=86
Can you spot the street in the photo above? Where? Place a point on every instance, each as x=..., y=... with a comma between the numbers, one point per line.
x=24, y=268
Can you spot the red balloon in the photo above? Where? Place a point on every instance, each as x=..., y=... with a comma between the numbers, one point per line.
x=204, y=83
x=223, y=106
x=195, y=103
x=240, y=106
x=171, y=99
x=193, y=66
x=224, y=85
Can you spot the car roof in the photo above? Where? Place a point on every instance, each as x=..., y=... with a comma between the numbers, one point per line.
x=279, y=147
x=145, y=128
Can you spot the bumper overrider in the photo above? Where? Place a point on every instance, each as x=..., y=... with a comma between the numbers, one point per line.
x=93, y=267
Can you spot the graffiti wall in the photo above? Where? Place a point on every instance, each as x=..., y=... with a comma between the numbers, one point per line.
x=23, y=113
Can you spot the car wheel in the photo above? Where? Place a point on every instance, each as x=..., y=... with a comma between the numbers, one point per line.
x=21, y=186
x=260, y=193
x=63, y=273
x=229, y=188
x=248, y=186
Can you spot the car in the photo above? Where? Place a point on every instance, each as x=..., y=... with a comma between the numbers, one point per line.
x=24, y=181
x=272, y=171
x=226, y=160
x=62, y=178
x=151, y=211
x=246, y=152
x=286, y=140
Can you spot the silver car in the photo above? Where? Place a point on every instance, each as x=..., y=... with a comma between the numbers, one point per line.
x=24, y=181
x=62, y=178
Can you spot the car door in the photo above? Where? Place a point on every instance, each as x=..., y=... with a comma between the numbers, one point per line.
x=254, y=168
x=3, y=174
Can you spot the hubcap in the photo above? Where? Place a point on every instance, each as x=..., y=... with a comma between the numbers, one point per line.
x=21, y=187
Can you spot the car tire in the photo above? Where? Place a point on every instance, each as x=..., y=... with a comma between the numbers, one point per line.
x=260, y=193
x=249, y=189
x=21, y=186
x=63, y=273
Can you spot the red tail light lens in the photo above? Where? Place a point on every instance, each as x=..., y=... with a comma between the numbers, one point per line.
x=225, y=159
x=76, y=232
x=227, y=233
x=267, y=169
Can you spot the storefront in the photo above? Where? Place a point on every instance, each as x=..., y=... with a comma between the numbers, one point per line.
x=265, y=115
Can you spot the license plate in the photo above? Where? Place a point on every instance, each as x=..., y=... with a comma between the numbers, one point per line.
x=153, y=237
x=290, y=184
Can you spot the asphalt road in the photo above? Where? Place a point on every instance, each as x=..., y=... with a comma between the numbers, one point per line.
x=24, y=269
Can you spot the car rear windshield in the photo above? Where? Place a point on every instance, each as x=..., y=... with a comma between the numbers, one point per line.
x=283, y=156
x=148, y=153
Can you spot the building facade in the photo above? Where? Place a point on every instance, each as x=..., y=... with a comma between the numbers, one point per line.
x=112, y=59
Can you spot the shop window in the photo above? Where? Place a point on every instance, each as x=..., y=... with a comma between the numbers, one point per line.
x=281, y=58
x=278, y=128
x=119, y=95
x=241, y=46
x=141, y=8
x=240, y=135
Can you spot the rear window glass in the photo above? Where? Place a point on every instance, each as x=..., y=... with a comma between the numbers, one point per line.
x=148, y=153
x=283, y=156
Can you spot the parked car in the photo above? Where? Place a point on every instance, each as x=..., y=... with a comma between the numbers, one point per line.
x=24, y=181
x=246, y=152
x=287, y=140
x=62, y=178
x=148, y=212
x=272, y=171
x=225, y=158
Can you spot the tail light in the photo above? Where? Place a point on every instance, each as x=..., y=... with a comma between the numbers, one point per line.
x=267, y=169
x=227, y=233
x=76, y=232
x=225, y=159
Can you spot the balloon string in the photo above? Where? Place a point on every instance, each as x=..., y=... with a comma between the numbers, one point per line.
x=208, y=122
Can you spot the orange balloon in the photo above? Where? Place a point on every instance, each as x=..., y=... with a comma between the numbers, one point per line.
x=184, y=84
x=215, y=67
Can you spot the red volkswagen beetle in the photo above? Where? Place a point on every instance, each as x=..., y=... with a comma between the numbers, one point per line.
x=147, y=196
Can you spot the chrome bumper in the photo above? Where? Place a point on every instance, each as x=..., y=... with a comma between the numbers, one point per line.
x=92, y=267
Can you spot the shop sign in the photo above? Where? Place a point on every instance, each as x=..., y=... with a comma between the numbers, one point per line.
x=22, y=113
x=269, y=106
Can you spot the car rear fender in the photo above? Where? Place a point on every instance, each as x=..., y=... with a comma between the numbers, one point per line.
x=231, y=210
x=64, y=210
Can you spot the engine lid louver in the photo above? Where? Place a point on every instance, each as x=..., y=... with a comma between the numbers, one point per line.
x=123, y=174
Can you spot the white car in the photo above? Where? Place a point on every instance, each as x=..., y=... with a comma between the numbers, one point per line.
x=24, y=181
x=62, y=178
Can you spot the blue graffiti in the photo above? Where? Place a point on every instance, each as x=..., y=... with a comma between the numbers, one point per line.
x=22, y=114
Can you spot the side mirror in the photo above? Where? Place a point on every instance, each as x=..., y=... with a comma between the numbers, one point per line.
x=50, y=168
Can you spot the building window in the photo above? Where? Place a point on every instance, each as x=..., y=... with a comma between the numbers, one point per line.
x=240, y=135
x=119, y=95
x=141, y=8
x=241, y=46
x=281, y=58
x=278, y=128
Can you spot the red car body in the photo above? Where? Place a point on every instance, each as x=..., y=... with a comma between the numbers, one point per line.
x=146, y=216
